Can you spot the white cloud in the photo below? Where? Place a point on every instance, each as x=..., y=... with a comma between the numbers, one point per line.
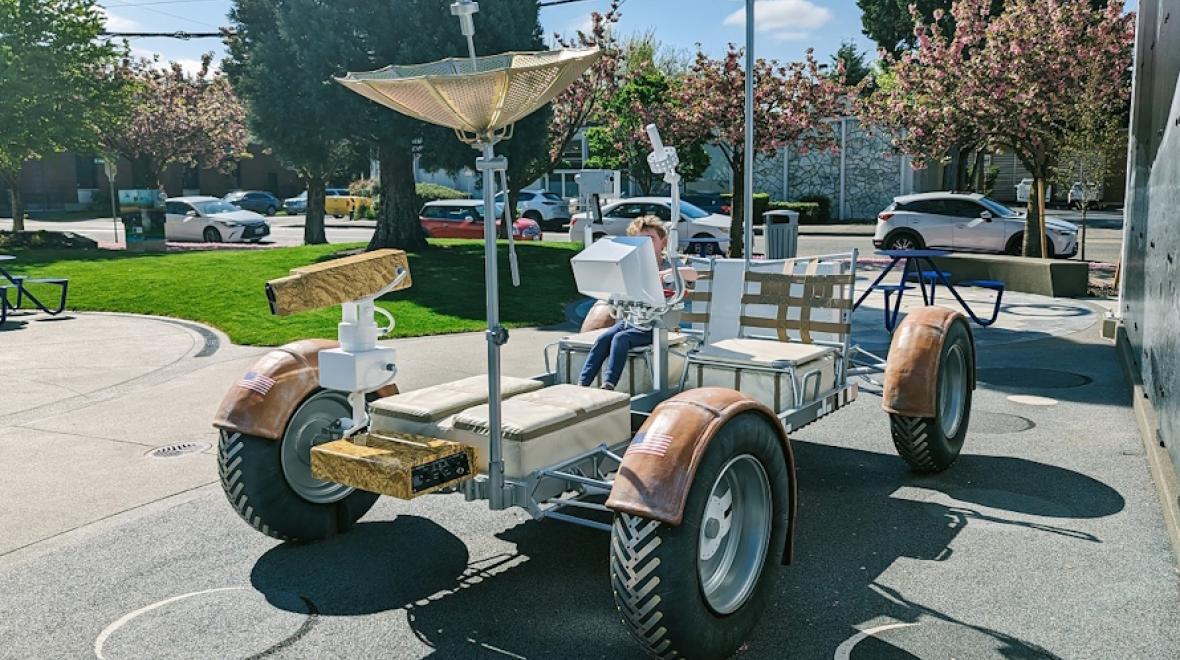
x=790, y=35
x=785, y=19
x=117, y=23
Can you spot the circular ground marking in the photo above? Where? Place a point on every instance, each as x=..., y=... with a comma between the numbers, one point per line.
x=1029, y=400
x=994, y=423
x=1033, y=379
x=230, y=622
x=178, y=449
x=935, y=638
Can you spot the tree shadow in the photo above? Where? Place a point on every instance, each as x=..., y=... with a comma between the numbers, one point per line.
x=552, y=596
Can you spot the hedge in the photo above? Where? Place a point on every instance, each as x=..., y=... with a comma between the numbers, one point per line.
x=432, y=192
x=813, y=210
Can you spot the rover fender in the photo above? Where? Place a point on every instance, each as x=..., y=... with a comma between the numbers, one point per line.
x=911, y=372
x=279, y=381
x=656, y=486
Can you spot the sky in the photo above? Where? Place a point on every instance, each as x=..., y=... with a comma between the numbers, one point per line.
x=786, y=28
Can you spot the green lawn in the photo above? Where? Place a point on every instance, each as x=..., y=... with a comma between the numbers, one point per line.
x=224, y=288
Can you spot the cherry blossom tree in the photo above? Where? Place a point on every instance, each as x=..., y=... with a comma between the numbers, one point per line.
x=791, y=104
x=192, y=120
x=1009, y=82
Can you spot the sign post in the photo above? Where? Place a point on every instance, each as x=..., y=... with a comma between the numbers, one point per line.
x=112, y=171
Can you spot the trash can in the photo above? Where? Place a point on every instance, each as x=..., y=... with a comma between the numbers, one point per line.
x=143, y=216
x=782, y=234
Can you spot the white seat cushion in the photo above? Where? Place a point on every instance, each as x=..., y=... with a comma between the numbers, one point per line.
x=585, y=340
x=432, y=404
x=767, y=352
x=544, y=427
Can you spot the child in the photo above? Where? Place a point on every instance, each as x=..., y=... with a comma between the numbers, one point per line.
x=614, y=344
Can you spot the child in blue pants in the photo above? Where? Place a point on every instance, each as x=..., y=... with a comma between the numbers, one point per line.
x=613, y=345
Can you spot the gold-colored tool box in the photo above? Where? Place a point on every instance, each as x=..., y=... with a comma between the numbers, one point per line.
x=396, y=464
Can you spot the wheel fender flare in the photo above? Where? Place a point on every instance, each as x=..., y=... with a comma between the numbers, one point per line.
x=656, y=487
x=911, y=371
x=295, y=370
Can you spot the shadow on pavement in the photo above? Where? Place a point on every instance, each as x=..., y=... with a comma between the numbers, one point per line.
x=551, y=597
x=375, y=567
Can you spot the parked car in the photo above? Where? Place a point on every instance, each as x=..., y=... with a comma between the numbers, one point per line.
x=1082, y=195
x=968, y=222
x=711, y=202
x=254, y=200
x=298, y=205
x=699, y=230
x=543, y=207
x=211, y=220
x=338, y=203
x=463, y=218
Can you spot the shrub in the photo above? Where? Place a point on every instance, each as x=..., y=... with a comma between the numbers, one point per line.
x=825, y=207
x=432, y=192
x=46, y=240
x=761, y=204
x=808, y=211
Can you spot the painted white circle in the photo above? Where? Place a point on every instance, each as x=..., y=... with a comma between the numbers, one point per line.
x=844, y=651
x=223, y=622
x=1030, y=400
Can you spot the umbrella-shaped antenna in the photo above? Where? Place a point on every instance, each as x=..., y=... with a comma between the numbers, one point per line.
x=477, y=98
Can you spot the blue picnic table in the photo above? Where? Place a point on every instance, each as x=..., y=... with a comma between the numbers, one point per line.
x=925, y=271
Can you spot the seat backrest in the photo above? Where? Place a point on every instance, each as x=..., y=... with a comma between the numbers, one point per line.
x=715, y=305
x=805, y=300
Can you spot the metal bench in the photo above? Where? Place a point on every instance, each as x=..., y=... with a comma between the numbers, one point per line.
x=889, y=290
x=931, y=277
x=21, y=282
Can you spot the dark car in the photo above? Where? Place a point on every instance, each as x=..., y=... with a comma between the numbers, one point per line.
x=711, y=202
x=254, y=200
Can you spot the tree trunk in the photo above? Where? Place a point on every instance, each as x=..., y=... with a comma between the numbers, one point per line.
x=1033, y=227
x=398, y=225
x=979, y=176
x=737, y=230
x=18, y=204
x=313, y=221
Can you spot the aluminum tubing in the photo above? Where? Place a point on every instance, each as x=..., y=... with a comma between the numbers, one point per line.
x=492, y=286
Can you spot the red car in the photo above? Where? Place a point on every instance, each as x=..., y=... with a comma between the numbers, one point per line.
x=463, y=218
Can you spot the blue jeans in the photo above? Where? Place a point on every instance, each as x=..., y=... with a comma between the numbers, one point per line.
x=612, y=347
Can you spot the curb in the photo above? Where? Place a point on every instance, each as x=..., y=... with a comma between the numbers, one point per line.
x=1159, y=461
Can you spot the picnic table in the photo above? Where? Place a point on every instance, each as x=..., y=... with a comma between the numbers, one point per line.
x=925, y=271
x=18, y=282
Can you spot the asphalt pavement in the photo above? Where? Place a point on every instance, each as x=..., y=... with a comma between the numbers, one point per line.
x=1104, y=239
x=1044, y=540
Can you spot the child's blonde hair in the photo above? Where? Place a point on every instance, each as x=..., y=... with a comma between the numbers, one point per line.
x=647, y=223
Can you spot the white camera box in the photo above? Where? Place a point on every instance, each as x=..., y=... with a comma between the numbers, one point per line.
x=622, y=268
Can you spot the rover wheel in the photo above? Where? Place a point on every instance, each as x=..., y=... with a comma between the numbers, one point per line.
x=269, y=482
x=698, y=589
x=931, y=444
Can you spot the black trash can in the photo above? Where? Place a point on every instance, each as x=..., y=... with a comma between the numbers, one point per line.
x=143, y=229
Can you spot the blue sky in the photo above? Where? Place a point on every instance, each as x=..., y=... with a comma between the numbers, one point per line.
x=786, y=27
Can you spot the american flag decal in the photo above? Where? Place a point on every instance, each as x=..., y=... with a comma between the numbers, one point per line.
x=655, y=444
x=256, y=382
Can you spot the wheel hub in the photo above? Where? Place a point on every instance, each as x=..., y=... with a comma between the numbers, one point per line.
x=315, y=422
x=951, y=391
x=734, y=534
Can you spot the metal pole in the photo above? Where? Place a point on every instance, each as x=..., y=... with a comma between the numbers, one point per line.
x=114, y=210
x=495, y=334
x=748, y=193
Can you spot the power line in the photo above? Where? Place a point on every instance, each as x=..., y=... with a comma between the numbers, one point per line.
x=166, y=13
x=178, y=34
x=554, y=3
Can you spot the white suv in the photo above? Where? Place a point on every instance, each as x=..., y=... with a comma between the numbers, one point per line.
x=967, y=222
x=542, y=207
x=700, y=232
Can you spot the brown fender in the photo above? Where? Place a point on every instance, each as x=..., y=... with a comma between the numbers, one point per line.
x=598, y=318
x=656, y=487
x=911, y=372
x=295, y=369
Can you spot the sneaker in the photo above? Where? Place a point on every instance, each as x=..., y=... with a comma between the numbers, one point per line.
x=608, y=387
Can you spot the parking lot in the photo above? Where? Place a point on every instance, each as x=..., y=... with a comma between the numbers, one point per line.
x=1046, y=528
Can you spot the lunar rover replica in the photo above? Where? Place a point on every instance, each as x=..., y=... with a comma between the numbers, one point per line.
x=688, y=466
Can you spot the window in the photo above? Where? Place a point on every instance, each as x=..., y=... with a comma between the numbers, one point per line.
x=215, y=206
x=552, y=197
x=962, y=208
x=659, y=210
x=526, y=197
x=996, y=208
x=692, y=211
x=628, y=211
x=176, y=208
